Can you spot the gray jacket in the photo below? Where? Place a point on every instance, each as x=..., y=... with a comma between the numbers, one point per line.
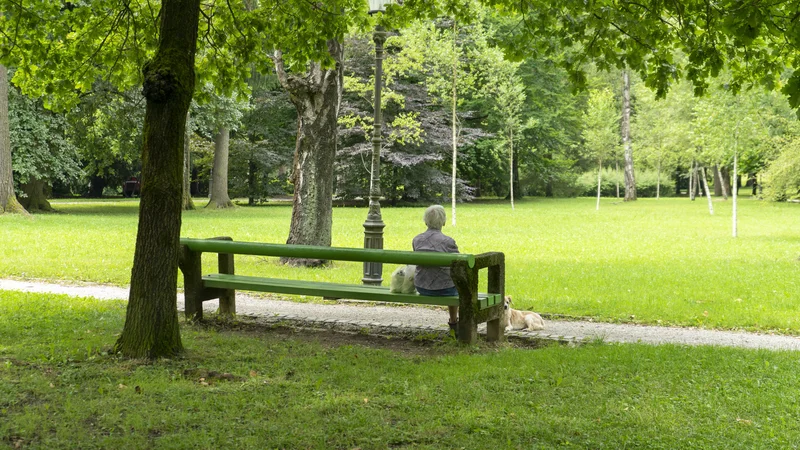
x=433, y=278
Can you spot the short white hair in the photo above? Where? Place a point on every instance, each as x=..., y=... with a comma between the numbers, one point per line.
x=434, y=217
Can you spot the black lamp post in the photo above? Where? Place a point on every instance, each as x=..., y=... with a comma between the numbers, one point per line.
x=373, y=227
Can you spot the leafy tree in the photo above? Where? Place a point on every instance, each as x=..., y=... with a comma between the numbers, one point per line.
x=41, y=150
x=661, y=128
x=625, y=128
x=106, y=128
x=508, y=94
x=600, y=133
x=215, y=118
x=261, y=151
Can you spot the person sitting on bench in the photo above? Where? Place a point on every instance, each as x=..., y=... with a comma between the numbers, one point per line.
x=436, y=281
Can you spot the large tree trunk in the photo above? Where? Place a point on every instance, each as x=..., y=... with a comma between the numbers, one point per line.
x=35, y=199
x=219, y=175
x=188, y=203
x=317, y=97
x=151, y=323
x=630, y=178
x=8, y=199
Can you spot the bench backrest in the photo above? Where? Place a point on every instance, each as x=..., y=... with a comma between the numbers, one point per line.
x=332, y=253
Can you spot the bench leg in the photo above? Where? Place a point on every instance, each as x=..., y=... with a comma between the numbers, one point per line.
x=227, y=301
x=190, y=265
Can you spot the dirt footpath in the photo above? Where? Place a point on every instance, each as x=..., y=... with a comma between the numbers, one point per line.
x=354, y=314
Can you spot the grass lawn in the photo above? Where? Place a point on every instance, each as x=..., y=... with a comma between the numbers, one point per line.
x=652, y=261
x=59, y=389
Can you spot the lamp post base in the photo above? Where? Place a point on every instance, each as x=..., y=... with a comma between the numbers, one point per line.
x=373, y=238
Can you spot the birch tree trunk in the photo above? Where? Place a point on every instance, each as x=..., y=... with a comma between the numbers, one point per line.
x=692, y=181
x=8, y=199
x=511, y=167
x=708, y=192
x=151, y=322
x=616, y=175
x=188, y=203
x=219, y=175
x=630, y=178
x=735, y=184
x=316, y=95
x=658, y=180
x=455, y=126
x=599, y=181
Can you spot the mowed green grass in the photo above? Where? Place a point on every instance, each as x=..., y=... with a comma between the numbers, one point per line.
x=661, y=261
x=60, y=389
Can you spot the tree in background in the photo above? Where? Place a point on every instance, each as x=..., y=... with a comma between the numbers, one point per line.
x=41, y=150
x=625, y=128
x=215, y=117
x=662, y=128
x=106, y=128
x=261, y=150
x=316, y=94
x=600, y=134
x=508, y=95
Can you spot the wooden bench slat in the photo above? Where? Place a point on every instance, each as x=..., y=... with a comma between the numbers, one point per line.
x=323, y=289
x=328, y=253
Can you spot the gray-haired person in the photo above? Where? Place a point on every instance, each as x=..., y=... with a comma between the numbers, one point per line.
x=436, y=281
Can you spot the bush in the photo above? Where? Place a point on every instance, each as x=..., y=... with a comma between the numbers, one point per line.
x=782, y=178
x=646, y=181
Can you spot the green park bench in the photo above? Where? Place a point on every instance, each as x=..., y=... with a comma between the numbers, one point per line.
x=474, y=307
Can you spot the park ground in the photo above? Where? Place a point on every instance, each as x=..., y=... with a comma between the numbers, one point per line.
x=243, y=385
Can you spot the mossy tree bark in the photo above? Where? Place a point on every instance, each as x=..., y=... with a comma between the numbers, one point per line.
x=219, y=176
x=317, y=96
x=151, y=323
x=188, y=203
x=8, y=199
x=35, y=199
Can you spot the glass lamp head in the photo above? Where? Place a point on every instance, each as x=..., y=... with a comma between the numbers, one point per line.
x=376, y=6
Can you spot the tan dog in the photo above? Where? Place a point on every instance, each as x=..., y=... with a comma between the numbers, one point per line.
x=519, y=320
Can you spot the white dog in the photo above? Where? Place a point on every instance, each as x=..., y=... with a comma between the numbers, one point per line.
x=518, y=320
x=403, y=280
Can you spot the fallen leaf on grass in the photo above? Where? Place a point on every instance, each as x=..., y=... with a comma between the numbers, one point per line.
x=122, y=386
x=253, y=373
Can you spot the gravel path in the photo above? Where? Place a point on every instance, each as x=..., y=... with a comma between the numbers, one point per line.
x=416, y=318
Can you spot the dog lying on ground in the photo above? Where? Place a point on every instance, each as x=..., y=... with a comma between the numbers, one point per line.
x=519, y=320
x=403, y=280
